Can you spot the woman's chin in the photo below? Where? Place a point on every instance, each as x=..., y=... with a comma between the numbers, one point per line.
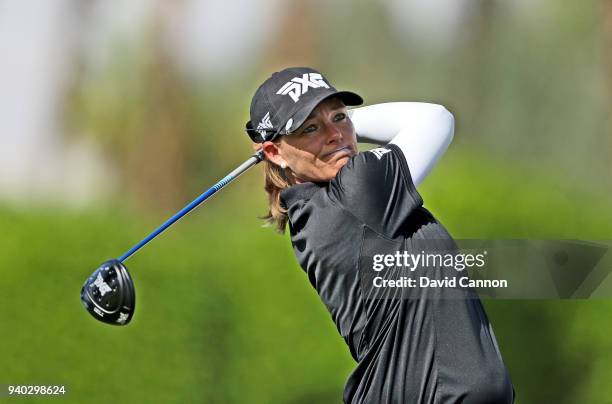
x=327, y=173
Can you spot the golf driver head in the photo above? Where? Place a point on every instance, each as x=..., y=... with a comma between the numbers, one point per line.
x=108, y=294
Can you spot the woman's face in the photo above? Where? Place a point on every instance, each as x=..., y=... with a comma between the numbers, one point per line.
x=320, y=147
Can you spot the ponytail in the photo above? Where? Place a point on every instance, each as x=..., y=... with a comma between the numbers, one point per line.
x=276, y=179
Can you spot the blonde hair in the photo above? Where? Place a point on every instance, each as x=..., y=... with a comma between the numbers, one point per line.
x=275, y=180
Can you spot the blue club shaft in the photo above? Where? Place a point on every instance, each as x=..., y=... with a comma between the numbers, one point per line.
x=254, y=159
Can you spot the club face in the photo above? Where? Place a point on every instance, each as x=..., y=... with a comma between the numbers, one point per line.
x=108, y=294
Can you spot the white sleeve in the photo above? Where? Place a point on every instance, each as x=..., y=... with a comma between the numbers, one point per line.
x=422, y=131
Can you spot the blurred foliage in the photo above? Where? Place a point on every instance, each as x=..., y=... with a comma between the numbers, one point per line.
x=528, y=83
x=139, y=109
x=225, y=315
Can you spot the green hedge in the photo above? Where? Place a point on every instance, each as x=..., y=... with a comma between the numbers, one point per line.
x=225, y=315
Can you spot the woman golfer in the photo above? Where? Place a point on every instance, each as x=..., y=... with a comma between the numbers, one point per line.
x=353, y=217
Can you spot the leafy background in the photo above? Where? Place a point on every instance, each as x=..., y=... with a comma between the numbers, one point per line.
x=224, y=314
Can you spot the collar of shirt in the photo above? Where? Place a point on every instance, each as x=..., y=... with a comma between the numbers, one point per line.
x=299, y=192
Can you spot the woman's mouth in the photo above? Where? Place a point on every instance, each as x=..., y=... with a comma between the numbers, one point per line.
x=342, y=150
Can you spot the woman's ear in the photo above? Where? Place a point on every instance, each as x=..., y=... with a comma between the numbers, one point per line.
x=273, y=153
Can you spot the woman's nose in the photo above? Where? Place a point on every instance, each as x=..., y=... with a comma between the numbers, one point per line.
x=334, y=133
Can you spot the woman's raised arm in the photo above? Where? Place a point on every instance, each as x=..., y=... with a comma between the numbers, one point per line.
x=422, y=131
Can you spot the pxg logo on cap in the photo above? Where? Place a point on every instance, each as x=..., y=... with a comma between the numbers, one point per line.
x=285, y=100
x=298, y=86
x=264, y=124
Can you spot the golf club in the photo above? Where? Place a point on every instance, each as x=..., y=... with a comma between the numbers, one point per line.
x=108, y=294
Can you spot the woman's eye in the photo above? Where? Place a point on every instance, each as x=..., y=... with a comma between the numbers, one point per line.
x=309, y=129
x=340, y=117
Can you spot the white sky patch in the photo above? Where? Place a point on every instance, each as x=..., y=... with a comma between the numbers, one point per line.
x=211, y=36
x=36, y=44
x=432, y=22
x=31, y=74
x=111, y=21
